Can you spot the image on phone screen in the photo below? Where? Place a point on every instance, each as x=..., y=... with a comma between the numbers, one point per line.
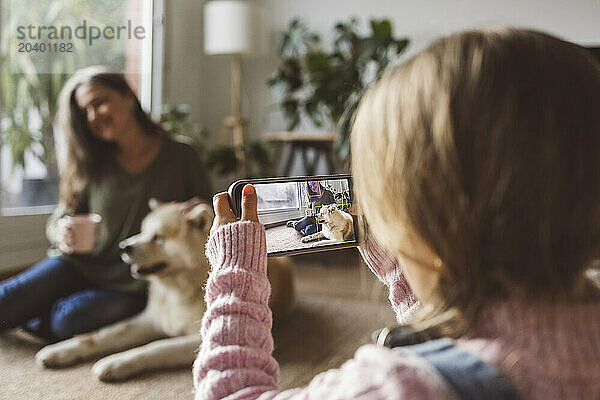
x=306, y=214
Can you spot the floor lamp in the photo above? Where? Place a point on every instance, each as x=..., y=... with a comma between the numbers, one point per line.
x=233, y=28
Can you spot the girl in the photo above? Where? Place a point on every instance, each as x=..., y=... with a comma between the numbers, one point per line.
x=117, y=159
x=477, y=167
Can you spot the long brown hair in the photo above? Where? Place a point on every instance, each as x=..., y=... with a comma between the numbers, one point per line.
x=486, y=146
x=86, y=155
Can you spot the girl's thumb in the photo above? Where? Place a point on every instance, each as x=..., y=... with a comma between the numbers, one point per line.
x=249, y=204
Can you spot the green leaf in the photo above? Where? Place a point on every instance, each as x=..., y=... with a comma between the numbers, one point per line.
x=297, y=41
x=318, y=65
x=366, y=49
x=382, y=29
x=311, y=107
x=325, y=84
x=401, y=45
x=282, y=44
x=291, y=111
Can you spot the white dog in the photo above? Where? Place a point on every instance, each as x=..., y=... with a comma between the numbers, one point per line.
x=337, y=226
x=169, y=253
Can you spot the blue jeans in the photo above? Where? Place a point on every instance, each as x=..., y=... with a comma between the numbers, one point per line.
x=55, y=301
x=307, y=226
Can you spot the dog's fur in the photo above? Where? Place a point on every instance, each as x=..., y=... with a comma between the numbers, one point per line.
x=169, y=253
x=337, y=226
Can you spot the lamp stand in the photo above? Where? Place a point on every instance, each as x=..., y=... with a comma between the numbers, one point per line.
x=233, y=124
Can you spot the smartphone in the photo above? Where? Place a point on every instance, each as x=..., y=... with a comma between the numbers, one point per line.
x=303, y=214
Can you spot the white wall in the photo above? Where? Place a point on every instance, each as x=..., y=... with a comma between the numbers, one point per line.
x=203, y=81
x=184, y=58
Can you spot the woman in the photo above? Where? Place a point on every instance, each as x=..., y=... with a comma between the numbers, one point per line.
x=317, y=196
x=117, y=159
x=476, y=164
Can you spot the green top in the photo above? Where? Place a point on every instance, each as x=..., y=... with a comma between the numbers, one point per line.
x=121, y=198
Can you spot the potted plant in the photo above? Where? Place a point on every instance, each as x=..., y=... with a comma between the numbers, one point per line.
x=221, y=158
x=327, y=85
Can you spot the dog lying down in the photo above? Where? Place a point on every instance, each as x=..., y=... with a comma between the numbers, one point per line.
x=337, y=226
x=169, y=253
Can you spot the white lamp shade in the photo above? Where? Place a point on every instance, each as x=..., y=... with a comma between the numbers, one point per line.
x=232, y=27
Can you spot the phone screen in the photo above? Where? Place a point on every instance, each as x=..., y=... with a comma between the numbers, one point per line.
x=307, y=214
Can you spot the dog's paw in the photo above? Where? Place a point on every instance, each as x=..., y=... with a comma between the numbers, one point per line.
x=115, y=368
x=305, y=239
x=58, y=355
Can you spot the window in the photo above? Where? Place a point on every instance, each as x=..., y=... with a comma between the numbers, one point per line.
x=44, y=42
x=278, y=196
x=279, y=202
x=34, y=66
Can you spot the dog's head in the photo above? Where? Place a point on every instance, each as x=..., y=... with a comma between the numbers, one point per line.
x=169, y=242
x=327, y=213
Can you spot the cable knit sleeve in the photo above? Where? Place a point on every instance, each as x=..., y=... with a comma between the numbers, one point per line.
x=388, y=270
x=235, y=360
x=236, y=327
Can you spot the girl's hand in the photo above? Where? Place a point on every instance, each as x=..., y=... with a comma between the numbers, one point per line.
x=64, y=235
x=223, y=213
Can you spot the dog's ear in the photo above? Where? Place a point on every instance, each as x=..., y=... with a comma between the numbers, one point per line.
x=153, y=203
x=200, y=217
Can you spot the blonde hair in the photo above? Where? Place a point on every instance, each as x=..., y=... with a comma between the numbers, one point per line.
x=486, y=146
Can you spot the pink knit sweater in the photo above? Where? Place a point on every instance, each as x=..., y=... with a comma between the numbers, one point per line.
x=549, y=352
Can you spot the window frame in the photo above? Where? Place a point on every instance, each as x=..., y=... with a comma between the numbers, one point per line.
x=23, y=230
x=278, y=215
x=269, y=211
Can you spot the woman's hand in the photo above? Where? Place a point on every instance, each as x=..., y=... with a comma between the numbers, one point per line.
x=309, y=210
x=64, y=235
x=223, y=213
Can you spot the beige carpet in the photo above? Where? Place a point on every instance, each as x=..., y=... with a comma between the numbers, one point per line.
x=320, y=333
x=280, y=238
